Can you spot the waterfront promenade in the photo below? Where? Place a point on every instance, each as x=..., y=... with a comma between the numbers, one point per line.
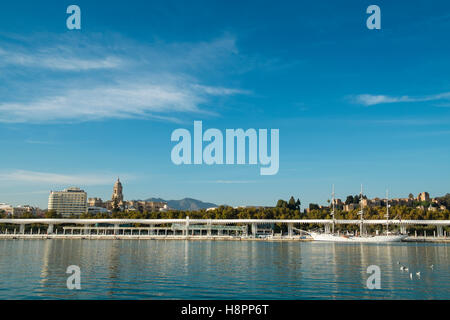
x=42, y=236
x=149, y=237
x=198, y=229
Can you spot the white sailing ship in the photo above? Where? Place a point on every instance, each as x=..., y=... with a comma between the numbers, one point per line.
x=362, y=237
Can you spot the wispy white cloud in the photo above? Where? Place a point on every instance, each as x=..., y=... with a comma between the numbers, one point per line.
x=54, y=61
x=222, y=181
x=58, y=53
x=219, y=91
x=122, y=79
x=32, y=141
x=407, y=121
x=25, y=193
x=23, y=176
x=433, y=133
x=370, y=100
x=234, y=181
x=118, y=101
x=443, y=105
x=112, y=51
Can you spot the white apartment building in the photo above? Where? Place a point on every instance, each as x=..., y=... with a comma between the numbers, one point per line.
x=72, y=201
x=16, y=211
x=6, y=207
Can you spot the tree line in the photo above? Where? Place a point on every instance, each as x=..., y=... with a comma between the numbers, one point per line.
x=283, y=210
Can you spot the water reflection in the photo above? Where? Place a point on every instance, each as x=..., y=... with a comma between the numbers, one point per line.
x=220, y=270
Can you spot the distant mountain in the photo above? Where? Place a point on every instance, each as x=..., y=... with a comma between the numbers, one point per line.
x=188, y=204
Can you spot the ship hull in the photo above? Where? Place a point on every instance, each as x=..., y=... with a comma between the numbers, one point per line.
x=355, y=239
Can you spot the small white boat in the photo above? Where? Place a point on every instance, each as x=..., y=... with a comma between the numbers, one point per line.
x=333, y=237
x=344, y=238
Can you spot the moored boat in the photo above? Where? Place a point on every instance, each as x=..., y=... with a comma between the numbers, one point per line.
x=345, y=238
x=333, y=237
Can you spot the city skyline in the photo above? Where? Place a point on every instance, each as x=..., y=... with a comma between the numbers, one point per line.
x=117, y=193
x=352, y=105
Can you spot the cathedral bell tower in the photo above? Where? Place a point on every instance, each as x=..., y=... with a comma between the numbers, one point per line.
x=117, y=192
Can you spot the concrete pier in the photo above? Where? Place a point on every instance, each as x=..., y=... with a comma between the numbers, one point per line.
x=128, y=236
x=202, y=228
x=123, y=234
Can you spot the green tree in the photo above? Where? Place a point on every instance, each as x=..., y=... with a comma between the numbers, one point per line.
x=298, y=204
x=349, y=199
x=282, y=204
x=115, y=205
x=51, y=214
x=291, y=203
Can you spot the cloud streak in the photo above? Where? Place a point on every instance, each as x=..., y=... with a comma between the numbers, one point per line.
x=234, y=181
x=58, y=53
x=57, y=62
x=370, y=100
x=92, y=78
x=34, y=177
x=118, y=101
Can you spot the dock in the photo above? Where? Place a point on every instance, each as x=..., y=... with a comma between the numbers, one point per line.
x=202, y=229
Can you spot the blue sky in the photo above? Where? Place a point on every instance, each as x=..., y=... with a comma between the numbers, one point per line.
x=352, y=105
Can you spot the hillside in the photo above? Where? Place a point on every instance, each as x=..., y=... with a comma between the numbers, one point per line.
x=185, y=204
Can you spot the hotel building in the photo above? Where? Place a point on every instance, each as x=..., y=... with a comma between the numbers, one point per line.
x=71, y=201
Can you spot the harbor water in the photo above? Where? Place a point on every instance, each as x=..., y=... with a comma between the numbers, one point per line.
x=182, y=269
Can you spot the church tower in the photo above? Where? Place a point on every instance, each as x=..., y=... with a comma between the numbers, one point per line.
x=117, y=192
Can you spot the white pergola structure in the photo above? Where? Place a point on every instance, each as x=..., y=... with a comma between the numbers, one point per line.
x=153, y=223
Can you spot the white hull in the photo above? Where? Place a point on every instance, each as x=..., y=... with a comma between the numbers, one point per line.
x=342, y=238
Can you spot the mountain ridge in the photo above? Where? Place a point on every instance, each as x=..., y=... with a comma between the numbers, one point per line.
x=187, y=204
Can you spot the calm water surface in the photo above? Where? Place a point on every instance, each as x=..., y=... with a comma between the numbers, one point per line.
x=146, y=269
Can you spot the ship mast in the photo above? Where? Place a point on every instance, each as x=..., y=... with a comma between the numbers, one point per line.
x=387, y=212
x=332, y=212
x=361, y=212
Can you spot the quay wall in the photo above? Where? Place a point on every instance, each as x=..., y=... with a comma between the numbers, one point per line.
x=143, y=237
x=182, y=237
